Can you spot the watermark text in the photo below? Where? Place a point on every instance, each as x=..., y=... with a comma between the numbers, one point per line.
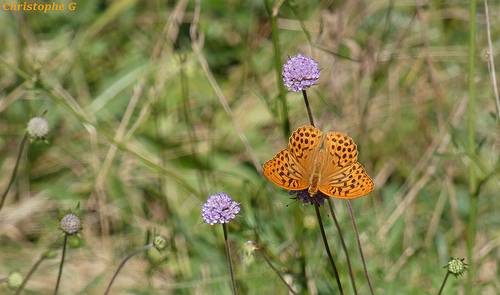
x=38, y=6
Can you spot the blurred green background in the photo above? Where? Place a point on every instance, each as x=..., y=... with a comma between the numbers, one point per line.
x=145, y=128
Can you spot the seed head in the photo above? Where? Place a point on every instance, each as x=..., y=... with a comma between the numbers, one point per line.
x=300, y=72
x=219, y=209
x=38, y=128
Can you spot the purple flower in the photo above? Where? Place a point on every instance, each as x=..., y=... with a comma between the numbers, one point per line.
x=318, y=198
x=300, y=72
x=219, y=209
x=70, y=223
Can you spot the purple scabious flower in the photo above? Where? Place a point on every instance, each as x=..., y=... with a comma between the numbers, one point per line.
x=318, y=198
x=70, y=223
x=219, y=209
x=300, y=72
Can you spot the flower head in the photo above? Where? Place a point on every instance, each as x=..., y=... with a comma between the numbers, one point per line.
x=318, y=198
x=70, y=223
x=300, y=72
x=219, y=209
x=38, y=128
x=457, y=266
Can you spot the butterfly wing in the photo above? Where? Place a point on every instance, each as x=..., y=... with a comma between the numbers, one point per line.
x=291, y=169
x=341, y=175
x=284, y=171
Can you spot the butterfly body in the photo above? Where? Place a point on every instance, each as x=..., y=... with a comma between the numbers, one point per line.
x=333, y=170
x=315, y=176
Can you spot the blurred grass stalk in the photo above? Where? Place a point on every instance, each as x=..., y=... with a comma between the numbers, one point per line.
x=84, y=119
x=32, y=270
x=273, y=19
x=471, y=148
x=13, y=176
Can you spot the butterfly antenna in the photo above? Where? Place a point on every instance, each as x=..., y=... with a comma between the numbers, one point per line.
x=292, y=202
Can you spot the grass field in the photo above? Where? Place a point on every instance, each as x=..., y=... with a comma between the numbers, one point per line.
x=154, y=106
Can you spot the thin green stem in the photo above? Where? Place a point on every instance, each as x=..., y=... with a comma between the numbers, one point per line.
x=273, y=18
x=13, y=176
x=228, y=251
x=62, y=264
x=123, y=263
x=444, y=282
x=471, y=146
x=359, y=245
x=341, y=236
x=32, y=270
x=325, y=241
x=271, y=265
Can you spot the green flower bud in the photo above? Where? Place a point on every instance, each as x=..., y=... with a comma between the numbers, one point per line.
x=15, y=280
x=457, y=266
x=160, y=242
x=76, y=242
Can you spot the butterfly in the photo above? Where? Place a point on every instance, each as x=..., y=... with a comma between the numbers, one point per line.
x=333, y=170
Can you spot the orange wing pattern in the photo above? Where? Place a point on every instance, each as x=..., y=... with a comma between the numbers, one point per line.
x=290, y=169
x=342, y=176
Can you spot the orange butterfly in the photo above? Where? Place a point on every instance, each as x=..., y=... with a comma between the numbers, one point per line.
x=333, y=170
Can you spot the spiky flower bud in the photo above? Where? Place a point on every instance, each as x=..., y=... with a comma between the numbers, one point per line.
x=38, y=128
x=457, y=266
x=15, y=280
x=70, y=223
x=247, y=252
x=160, y=242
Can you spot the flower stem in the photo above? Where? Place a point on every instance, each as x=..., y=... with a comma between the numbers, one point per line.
x=32, y=270
x=271, y=265
x=325, y=241
x=62, y=264
x=359, y=246
x=471, y=147
x=18, y=159
x=228, y=251
x=343, y=245
x=308, y=107
x=123, y=263
x=444, y=282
